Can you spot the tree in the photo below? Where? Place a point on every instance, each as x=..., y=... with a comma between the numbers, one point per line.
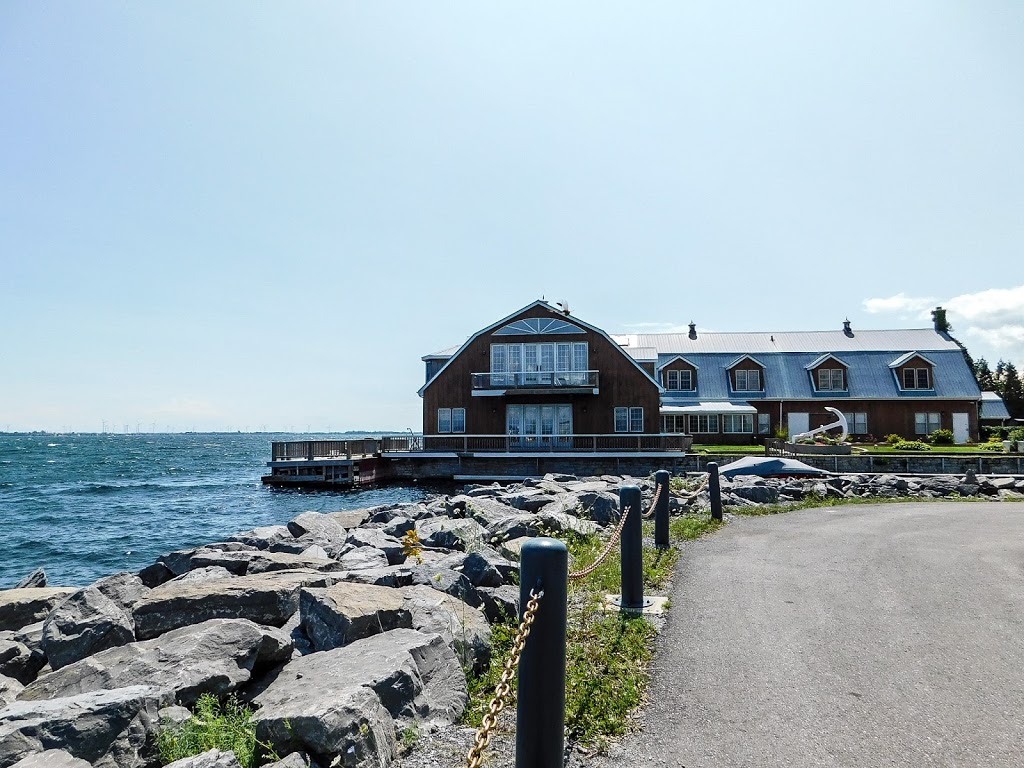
x=984, y=375
x=1013, y=391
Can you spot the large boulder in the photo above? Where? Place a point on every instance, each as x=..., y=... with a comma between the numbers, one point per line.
x=515, y=527
x=486, y=568
x=563, y=522
x=183, y=560
x=109, y=729
x=345, y=702
x=484, y=511
x=500, y=604
x=339, y=615
x=18, y=662
x=9, y=690
x=446, y=533
x=527, y=499
x=600, y=506
x=266, y=598
x=92, y=620
x=378, y=539
x=363, y=557
x=447, y=581
x=216, y=656
x=35, y=579
x=51, y=758
x=21, y=607
x=463, y=627
x=264, y=536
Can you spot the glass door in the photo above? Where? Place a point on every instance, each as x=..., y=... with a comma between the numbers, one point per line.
x=539, y=427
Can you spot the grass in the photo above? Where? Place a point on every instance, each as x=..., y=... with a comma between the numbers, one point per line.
x=225, y=726
x=607, y=653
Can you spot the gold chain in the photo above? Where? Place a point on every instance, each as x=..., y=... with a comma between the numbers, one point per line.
x=504, y=687
x=654, y=502
x=582, y=574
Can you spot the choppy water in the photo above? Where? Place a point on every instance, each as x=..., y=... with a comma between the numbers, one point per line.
x=87, y=505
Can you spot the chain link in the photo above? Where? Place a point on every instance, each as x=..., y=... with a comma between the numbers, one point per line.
x=582, y=574
x=504, y=687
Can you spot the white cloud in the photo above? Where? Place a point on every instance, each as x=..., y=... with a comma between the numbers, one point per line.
x=990, y=322
x=900, y=304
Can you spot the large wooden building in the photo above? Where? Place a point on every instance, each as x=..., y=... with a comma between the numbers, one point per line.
x=543, y=379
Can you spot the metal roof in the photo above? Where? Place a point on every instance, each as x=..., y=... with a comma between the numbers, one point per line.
x=786, y=377
x=920, y=340
x=993, y=407
x=715, y=406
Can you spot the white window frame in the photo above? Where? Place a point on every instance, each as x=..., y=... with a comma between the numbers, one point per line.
x=857, y=422
x=831, y=380
x=738, y=423
x=929, y=423
x=674, y=424
x=458, y=421
x=916, y=375
x=444, y=421
x=747, y=374
x=629, y=419
x=709, y=427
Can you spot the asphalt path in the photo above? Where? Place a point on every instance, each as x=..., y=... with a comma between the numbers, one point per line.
x=881, y=635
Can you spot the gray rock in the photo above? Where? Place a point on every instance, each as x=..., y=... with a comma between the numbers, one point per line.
x=266, y=598
x=18, y=662
x=293, y=760
x=390, y=576
x=362, y=558
x=86, y=623
x=392, y=548
x=216, y=656
x=1001, y=483
x=447, y=533
x=21, y=607
x=484, y=511
x=51, y=758
x=512, y=549
x=316, y=552
x=484, y=567
x=562, y=522
x=173, y=716
x=515, y=527
x=761, y=494
x=526, y=499
x=264, y=536
x=389, y=512
x=344, y=702
x=199, y=575
x=212, y=759
x=967, y=489
x=500, y=604
x=109, y=729
x=156, y=574
x=36, y=579
x=601, y=507
x=465, y=629
x=447, y=581
x=399, y=526
x=180, y=561
x=9, y=690
x=334, y=547
x=347, y=612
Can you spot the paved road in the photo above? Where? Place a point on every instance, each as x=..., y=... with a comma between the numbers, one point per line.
x=886, y=635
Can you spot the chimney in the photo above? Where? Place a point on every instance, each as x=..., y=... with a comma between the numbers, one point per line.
x=693, y=330
x=939, y=318
x=846, y=328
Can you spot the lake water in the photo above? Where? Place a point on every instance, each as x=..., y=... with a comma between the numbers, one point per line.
x=84, y=506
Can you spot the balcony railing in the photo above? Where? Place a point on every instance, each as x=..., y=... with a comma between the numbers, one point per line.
x=310, y=450
x=535, y=380
x=623, y=443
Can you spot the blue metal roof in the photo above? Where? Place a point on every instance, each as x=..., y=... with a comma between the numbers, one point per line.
x=993, y=407
x=786, y=377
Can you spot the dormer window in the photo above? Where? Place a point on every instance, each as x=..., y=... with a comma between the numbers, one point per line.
x=916, y=378
x=679, y=380
x=748, y=380
x=831, y=380
x=914, y=371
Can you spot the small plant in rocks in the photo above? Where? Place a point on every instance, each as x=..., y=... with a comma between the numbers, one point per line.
x=412, y=546
x=225, y=726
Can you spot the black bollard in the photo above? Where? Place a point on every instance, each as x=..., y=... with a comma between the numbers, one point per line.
x=631, y=549
x=715, y=491
x=540, y=709
x=661, y=478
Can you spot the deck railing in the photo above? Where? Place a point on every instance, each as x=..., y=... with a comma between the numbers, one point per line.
x=535, y=379
x=541, y=443
x=311, y=450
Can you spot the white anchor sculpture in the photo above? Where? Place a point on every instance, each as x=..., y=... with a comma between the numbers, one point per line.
x=820, y=430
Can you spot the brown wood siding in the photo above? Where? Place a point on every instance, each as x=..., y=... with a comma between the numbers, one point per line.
x=916, y=362
x=746, y=365
x=831, y=365
x=884, y=417
x=620, y=383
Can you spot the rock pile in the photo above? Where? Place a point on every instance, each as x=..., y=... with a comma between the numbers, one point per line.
x=336, y=630
x=341, y=629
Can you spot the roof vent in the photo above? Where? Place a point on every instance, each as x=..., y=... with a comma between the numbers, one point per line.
x=693, y=330
x=846, y=328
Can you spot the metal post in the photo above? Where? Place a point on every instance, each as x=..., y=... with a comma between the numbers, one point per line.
x=540, y=709
x=661, y=478
x=714, y=490
x=631, y=550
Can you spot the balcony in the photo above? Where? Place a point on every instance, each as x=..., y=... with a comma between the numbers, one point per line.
x=570, y=382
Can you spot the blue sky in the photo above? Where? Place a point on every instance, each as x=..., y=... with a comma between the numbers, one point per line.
x=236, y=215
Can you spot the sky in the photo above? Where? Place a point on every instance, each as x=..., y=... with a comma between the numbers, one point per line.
x=260, y=216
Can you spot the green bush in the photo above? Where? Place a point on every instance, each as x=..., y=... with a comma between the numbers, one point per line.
x=226, y=727
x=994, y=447
x=911, y=445
x=942, y=437
x=893, y=439
x=1017, y=433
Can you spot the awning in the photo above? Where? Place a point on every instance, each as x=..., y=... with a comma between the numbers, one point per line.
x=708, y=407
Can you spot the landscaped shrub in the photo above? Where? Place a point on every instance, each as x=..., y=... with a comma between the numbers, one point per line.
x=1017, y=433
x=911, y=445
x=942, y=437
x=995, y=446
x=893, y=439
